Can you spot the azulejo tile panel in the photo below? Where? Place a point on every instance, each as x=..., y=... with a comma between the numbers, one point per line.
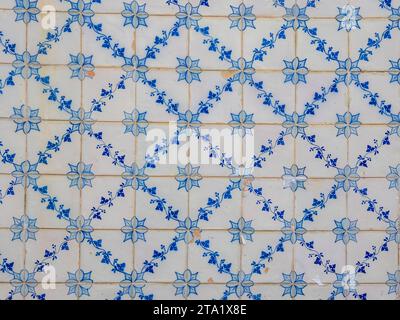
x=202, y=149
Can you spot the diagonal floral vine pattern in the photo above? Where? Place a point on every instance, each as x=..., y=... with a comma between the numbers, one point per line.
x=93, y=206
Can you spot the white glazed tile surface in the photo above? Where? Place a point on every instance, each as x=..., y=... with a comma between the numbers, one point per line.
x=88, y=209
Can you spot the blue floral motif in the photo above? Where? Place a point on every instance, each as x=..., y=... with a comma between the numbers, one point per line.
x=24, y=228
x=241, y=177
x=135, y=14
x=80, y=175
x=394, y=71
x=348, y=71
x=25, y=174
x=345, y=283
x=293, y=231
x=395, y=17
x=133, y=284
x=188, y=122
x=22, y=64
x=135, y=122
x=393, y=282
x=134, y=230
x=188, y=16
x=293, y=284
x=394, y=231
x=295, y=71
x=348, y=18
x=26, y=65
x=188, y=177
x=394, y=177
x=294, y=178
x=295, y=124
x=187, y=230
x=26, y=10
x=242, y=123
x=134, y=176
x=26, y=119
x=394, y=125
x=79, y=283
x=188, y=69
x=240, y=284
x=347, y=124
x=24, y=283
x=346, y=230
x=81, y=12
x=81, y=66
x=242, y=17
x=135, y=68
x=81, y=121
x=296, y=17
x=186, y=283
x=347, y=178
x=79, y=229
x=241, y=230
x=243, y=69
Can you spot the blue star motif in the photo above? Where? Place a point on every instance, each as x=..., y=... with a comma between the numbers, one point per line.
x=81, y=66
x=81, y=121
x=348, y=18
x=345, y=283
x=346, y=230
x=24, y=283
x=242, y=17
x=135, y=68
x=135, y=122
x=81, y=12
x=135, y=14
x=241, y=230
x=188, y=122
x=243, y=70
x=24, y=228
x=293, y=231
x=294, y=177
x=186, y=283
x=394, y=125
x=133, y=284
x=295, y=70
x=80, y=175
x=26, y=119
x=26, y=65
x=395, y=17
x=393, y=282
x=188, y=177
x=134, y=176
x=394, y=231
x=242, y=123
x=134, y=229
x=348, y=71
x=79, y=283
x=296, y=17
x=293, y=284
x=240, y=284
x=187, y=230
x=188, y=70
x=347, y=178
x=394, y=177
x=80, y=229
x=347, y=124
x=26, y=10
x=295, y=124
x=188, y=16
x=25, y=174
x=394, y=71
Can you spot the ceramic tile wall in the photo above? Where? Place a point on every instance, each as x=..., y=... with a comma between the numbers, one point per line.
x=92, y=208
